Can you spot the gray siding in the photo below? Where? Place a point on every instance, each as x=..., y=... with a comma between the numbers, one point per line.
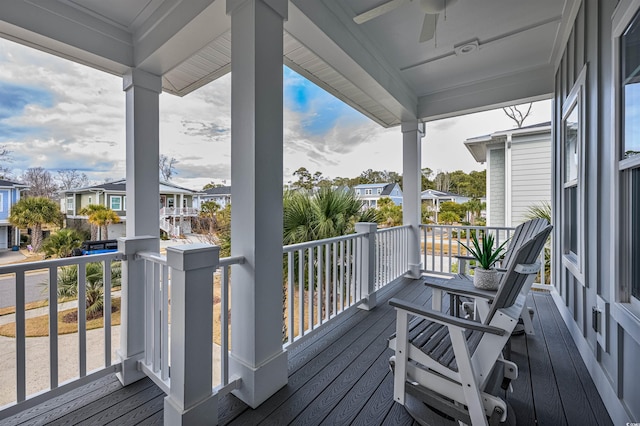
x=496, y=185
x=530, y=176
x=612, y=355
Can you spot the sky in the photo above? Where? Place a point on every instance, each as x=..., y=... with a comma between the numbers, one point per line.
x=61, y=115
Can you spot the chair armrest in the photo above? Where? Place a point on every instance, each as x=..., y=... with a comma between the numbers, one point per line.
x=464, y=257
x=459, y=287
x=441, y=318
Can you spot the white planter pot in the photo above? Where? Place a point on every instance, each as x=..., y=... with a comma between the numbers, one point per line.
x=486, y=279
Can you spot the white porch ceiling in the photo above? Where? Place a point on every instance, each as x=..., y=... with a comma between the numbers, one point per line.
x=378, y=67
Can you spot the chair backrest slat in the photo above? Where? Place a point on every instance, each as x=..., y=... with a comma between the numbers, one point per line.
x=512, y=282
x=523, y=232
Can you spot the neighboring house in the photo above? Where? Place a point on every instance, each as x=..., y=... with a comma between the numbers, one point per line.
x=433, y=198
x=9, y=195
x=370, y=193
x=518, y=171
x=176, y=205
x=221, y=195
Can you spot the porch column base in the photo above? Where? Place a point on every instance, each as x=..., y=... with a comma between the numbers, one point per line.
x=369, y=303
x=415, y=271
x=129, y=372
x=204, y=413
x=259, y=383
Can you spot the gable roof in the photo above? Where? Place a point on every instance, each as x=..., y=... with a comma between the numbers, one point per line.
x=12, y=184
x=477, y=145
x=388, y=189
x=121, y=186
x=220, y=190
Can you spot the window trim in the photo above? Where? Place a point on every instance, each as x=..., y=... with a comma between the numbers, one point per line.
x=577, y=98
x=115, y=197
x=72, y=201
x=2, y=200
x=619, y=198
x=368, y=191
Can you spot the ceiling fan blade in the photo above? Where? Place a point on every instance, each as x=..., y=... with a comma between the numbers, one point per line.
x=428, y=27
x=377, y=11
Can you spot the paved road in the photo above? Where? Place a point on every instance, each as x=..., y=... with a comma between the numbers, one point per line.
x=33, y=289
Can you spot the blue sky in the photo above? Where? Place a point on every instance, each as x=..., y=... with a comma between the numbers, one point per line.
x=58, y=114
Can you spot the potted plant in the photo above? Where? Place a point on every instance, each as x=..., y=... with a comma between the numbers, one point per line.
x=485, y=276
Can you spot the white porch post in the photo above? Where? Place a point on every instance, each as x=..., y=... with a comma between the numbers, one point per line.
x=256, y=172
x=142, y=91
x=412, y=133
x=190, y=400
x=132, y=315
x=368, y=259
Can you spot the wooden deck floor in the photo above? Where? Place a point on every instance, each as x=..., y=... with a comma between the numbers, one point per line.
x=342, y=377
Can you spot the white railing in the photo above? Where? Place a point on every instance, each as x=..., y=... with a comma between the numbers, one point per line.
x=158, y=343
x=169, y=228
x=440, y=244
x=392, y=256
x=178, y=211
x=322, y=279
x=29, y=354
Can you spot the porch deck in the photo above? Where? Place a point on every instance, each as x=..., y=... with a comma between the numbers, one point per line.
x=341, y=376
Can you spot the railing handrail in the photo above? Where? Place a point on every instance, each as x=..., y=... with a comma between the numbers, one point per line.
x=50, y=263
x=231, y=260
x=393, y=228
x=315, y=243
x=472, y=227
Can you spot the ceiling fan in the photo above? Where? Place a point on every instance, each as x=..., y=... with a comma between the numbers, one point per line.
x=431, y=9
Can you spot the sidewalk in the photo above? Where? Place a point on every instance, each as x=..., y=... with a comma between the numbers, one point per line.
x=9, y=256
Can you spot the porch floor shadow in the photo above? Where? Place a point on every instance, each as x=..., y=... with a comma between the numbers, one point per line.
x=341, y=376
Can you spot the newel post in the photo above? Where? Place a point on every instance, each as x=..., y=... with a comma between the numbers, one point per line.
x=190, y=400
x=368, y=259
x=132, y=306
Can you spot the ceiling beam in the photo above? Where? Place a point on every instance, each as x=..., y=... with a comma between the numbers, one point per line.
x=524, y=86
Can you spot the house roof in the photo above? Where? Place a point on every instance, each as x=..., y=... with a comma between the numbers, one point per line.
x=11, y=184
x=388, y=188
x=371, y=185
x=433, y=194
x=121, y=187
x=477, y=145
x=220, y=190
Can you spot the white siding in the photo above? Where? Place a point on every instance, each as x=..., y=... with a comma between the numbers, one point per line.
x=496, y=185
x=530, y=176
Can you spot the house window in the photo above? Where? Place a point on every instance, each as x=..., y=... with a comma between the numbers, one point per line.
x=69, y=203
x=89, y=199
x=367, y=192
x=379, y=191
x=629, y=159
x=116, y=203
x=573, y=175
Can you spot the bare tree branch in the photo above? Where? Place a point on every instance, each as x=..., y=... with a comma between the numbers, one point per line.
x=514, y=113
x=40, y=182
x=71, y=178
x=167, y=167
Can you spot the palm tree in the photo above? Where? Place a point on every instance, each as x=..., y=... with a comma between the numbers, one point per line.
x=89, y=211
x=102, y=218
x=34, y=212
x=62, y=243
x=94, y=284
x=448, y=217
x=389, y=214
x=326, y=213
x=475, y=206
x=208, y=210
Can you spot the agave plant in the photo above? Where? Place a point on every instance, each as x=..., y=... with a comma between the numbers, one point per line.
x=483, y=250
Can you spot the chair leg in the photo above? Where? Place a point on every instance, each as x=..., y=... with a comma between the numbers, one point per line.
x=401, y=357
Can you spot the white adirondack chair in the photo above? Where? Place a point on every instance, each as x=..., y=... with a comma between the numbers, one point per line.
x=445, y=362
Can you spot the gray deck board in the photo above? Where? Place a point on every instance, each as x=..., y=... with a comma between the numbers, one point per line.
x=341, y=376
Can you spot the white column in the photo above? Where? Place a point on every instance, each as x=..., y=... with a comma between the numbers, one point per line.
x=507, y=181
x=368, y=259
x=132, y=309
x=412, y=133
x=256, y=221
x=142, y=116
x=190, y=400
